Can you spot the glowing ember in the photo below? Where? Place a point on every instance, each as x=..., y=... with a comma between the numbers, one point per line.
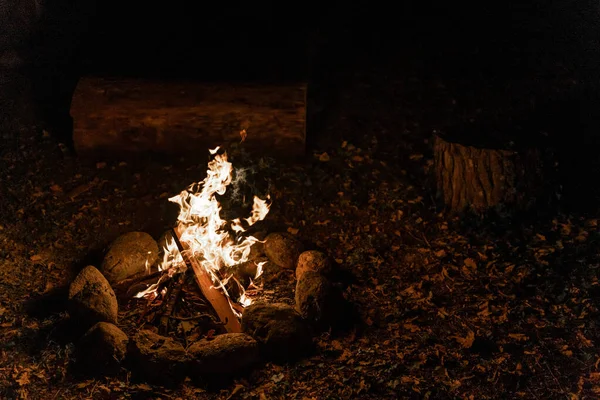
x=207, y=236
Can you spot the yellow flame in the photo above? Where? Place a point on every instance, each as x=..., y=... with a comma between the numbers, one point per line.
x=206, y=234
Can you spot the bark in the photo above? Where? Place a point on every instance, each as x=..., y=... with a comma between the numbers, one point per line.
x=128, y=115
x=483, y=179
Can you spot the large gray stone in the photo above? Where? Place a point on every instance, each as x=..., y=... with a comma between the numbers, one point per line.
x=158, y=358
x=283, y=249
x=315, y=299
x=102, y=349
x=280, y=331
x=224, y=354
x=92, y=298
x=315, y=261
x=128, y=257
x=257, y=250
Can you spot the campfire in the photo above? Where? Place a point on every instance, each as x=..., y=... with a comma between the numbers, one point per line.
x=207, y=274
x=209, y=246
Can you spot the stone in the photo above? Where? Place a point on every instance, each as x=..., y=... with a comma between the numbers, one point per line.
x=315, y=299
x=102, y=349
x=158, y=358
x=315, y=261
x=224, y=354
x=91, y=298
x=280, y=331
x=257, y=250
x=283, y=249
x=129, y=256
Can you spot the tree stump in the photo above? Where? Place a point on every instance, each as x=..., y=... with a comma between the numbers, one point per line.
x=491, y=173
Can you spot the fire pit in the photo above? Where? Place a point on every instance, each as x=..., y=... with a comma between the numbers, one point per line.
x=197, y=300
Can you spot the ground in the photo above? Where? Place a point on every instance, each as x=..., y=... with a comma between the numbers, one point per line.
x=448, y=307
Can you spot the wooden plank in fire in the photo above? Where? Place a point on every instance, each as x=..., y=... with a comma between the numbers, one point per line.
x=215, y=296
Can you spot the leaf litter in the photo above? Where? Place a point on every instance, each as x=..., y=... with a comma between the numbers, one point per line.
x=446, y=308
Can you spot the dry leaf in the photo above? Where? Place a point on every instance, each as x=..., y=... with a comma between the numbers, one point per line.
x=337, y=345
x=322, y=222
x=324, y=157
x=471, y=264
x=440, y=253
x=518, y=336
x=411, y=327
x=236, y=390
x=23, y=379
x=467, y=341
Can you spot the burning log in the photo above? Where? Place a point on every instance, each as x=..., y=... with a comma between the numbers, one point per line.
x=215, y=297
x=204, y=244
x=172, y=298
x=135, y=116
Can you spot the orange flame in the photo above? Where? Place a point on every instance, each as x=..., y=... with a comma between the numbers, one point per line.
x=201, y=227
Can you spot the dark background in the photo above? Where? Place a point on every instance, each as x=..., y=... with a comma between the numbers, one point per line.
x=45, y=46
x=274, y=40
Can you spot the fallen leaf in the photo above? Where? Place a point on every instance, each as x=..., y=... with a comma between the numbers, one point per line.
x=411, y=327
x=336, y=344
x=322, y=222
x=471, y=264
x=236, y=390
x=143, y=387
x=467, y=341
x=518, y=336
x=324, y=157
x=23, y=379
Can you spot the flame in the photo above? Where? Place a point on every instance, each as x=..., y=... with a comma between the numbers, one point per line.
x=207, y=235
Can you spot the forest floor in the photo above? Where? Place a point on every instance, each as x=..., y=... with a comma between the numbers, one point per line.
x=447, y=307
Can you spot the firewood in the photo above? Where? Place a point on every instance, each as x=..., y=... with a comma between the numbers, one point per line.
x=171, y=299
x=214, y=295
x=135, y=116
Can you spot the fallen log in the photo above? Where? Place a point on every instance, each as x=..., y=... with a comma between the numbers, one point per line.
x=215, y=296
x=125, y=116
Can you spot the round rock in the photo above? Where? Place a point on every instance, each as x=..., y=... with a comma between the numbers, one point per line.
x=315, y=298
x=281, y=333
x=158, y=358
x=313, y=260
x=91, y=298
x=283, y=249
x=257, y=250
x=102, y=349
x=225, y=354
x=128, y=256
